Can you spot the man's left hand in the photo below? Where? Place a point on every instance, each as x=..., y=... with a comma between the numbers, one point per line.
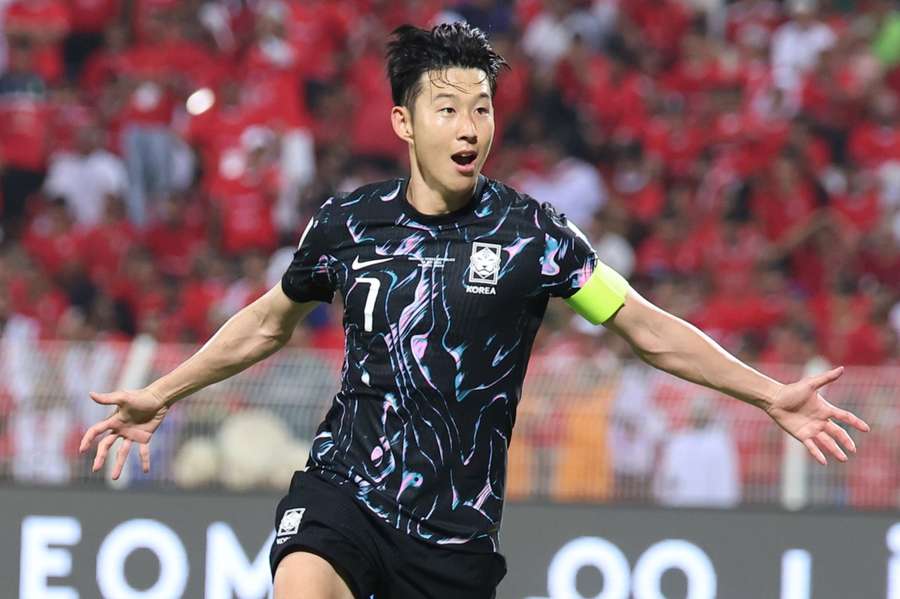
x=799, y=409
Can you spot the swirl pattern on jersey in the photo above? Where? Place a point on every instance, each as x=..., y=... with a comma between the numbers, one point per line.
x=440, y=314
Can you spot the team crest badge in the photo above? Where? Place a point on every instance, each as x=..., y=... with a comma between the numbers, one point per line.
x=484, y=265
x=290, y=522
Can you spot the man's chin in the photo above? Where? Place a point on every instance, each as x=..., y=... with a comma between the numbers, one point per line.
x=459, y=182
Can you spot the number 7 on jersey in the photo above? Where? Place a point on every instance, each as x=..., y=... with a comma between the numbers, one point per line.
x=374, y=287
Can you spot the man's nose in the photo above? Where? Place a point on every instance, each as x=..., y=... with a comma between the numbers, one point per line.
x=467, y=130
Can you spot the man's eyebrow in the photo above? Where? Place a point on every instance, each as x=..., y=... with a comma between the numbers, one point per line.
x=443, y=95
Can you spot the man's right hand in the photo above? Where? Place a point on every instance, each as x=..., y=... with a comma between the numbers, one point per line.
x=137, y=416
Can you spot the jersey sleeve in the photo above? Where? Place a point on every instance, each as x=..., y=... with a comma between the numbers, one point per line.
x=310, y=276
x=569, y=260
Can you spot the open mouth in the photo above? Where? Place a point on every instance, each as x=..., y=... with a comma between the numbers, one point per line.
x=464, y=158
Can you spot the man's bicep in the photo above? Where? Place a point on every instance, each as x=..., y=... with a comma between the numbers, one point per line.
x=638, y=321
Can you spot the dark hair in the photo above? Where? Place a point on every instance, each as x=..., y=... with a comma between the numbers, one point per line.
x=413, y=51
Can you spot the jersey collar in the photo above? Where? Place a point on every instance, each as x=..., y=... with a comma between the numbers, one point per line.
x=441, y=219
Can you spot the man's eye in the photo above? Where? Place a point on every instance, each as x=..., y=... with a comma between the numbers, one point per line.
x=447, y=110
x=483, y=110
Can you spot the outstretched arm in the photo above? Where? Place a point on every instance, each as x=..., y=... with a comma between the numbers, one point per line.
x=677, y=347
x=669, y=343
x=255, y=332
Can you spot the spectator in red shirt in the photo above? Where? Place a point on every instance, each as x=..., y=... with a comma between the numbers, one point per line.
x=734, y=310
x=215, y=133
x=675, y=142
x=879, y=257
x=203, y=289
x=370, y=133
x=732, y=251
x=243, y=203
x=104, y=65
x=828, y=104
x=24, y=139
x=804, y=142
x=52, y=238
x=789, y=344
x=138, y=285
x=178, y=234
x=877, y=140
x=663, y=23
x=89, y=19
x=619, y=100
x=70, y=112
x=512, y=92
x=666, y=250
x=32, y=293
x=865, y=344
x=853, y=327
x=105, y=244
x=320, y=31
x=270, y=49
x=785, y=200
x=42, y=300
x=145, y=12
x=858, y=210
x=578, y=69
x=38, y=27
x=697, y=69
x=639, y=183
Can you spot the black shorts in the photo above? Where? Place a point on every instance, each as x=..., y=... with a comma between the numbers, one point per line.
x=374, y=558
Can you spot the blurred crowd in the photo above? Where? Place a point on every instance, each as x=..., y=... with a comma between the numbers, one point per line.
x=738, y=161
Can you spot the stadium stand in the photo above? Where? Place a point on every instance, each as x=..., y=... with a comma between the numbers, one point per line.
x=738, y=161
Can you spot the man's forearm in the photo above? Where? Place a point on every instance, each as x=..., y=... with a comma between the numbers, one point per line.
x=237, y=345
x=682, y=349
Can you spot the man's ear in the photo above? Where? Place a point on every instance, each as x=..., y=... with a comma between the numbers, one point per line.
x=401, y=119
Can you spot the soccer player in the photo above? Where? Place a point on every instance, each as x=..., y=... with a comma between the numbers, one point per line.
x=445, y=276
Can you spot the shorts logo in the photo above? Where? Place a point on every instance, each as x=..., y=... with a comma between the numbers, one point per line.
x=484, y=265
x=290, y=522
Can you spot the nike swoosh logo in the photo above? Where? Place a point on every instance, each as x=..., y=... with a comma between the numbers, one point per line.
x=357, y=264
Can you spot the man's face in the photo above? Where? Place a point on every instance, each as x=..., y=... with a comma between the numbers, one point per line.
x=452, y=127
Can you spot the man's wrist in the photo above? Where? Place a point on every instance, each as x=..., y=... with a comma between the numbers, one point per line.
x=767, y=394
x=165, y=400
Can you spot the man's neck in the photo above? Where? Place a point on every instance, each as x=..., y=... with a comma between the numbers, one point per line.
x=431, y=199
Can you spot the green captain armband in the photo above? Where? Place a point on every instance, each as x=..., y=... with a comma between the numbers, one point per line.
x=601, y=296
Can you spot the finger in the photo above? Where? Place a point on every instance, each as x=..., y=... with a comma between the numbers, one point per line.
x=816, y=452
x=841, y=435
x=102, y=450
x=92, y=433
x=121, y=456
x=827, y=377
x=144, y=450
x=852, y=419
x=831, y=446
x=107, y=399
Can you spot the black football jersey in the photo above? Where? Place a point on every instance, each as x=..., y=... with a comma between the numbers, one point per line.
x=440, y=313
